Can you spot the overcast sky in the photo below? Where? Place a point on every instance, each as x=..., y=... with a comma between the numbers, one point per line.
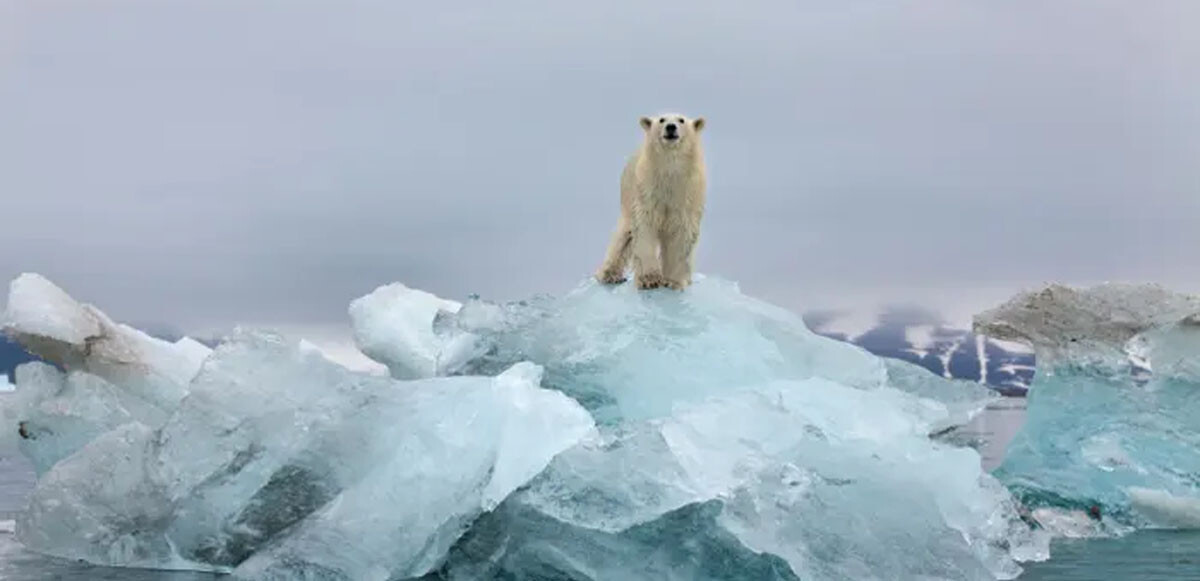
x=210, y=163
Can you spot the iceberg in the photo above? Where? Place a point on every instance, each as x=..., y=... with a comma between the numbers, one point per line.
x=628, y=355
x=50, y=324
x=826, y=478
x=1084, y=327
x=281, y=468
x=1112, y=420
x=604, y=433
x=394, y=325
x=962, y=400
x=625, y=354
x=726, y=412
x=60, y=412
x=56, y=414
x=274, y=462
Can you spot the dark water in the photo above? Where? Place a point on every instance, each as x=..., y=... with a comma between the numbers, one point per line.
x=1142, y=556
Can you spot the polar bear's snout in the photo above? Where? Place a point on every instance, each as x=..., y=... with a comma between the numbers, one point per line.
x=670, y=132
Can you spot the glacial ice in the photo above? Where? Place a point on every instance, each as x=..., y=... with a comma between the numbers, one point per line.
x=52, y=325
x=441, y=454
x=279, y=461
x=962, y=400
x=117, y=374
x=606, y=433
x=394, y=325
x=1113, y=416
x=629, y=355
x=728, y=413
x=60, y=413
x=829, y=478
x=275, y=461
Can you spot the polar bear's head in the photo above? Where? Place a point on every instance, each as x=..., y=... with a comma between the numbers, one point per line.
x=672, y=130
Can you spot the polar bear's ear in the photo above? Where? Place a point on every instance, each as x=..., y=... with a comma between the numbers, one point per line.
x=645, y=123
x=698, y=124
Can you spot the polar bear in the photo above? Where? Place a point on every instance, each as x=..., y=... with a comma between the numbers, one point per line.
x=662, y=202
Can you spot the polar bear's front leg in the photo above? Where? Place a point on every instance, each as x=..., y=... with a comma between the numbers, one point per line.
x=646, y=268
x=678, y=250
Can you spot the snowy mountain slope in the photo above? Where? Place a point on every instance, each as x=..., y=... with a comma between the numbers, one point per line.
x=921, y=336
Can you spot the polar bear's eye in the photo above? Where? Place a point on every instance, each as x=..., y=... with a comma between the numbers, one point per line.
x=662, y=119
x=681, y=119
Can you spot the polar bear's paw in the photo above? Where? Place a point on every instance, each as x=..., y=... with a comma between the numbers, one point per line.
x=650, y=280
x=675, y=284
x=610, y=276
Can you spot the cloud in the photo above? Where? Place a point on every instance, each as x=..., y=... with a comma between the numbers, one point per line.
x=213, y=163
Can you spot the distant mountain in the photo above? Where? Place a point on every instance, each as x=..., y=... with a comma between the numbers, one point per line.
x=920, y=336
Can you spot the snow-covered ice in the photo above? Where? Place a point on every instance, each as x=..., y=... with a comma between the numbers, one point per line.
x=81, y=338
x=1090, y=326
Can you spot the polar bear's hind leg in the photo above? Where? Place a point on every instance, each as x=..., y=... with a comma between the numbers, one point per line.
x=619, y=250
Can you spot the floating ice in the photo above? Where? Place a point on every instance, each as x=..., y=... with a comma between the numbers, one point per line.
x=961, y=400
x=271, y=457
x=432, y=458
x=733, y=443
x=1085, y=327
x=117, y=374
x=56, y=414
x=769, y=451
x=394, y=325
x=103, y=505
x=289, y=465
x=1165, y=509
x=1112, y=428
x=833, y=480
x=52, y=325
x=628, y=354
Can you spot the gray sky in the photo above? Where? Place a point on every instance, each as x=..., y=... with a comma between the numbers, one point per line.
x=210, y=163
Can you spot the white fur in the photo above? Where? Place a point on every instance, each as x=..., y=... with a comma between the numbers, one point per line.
x=662, y=202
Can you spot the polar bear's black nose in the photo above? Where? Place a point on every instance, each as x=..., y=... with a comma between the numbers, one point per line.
x=671, y=128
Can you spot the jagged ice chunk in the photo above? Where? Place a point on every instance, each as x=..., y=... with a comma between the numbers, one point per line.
x=1113, y=419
